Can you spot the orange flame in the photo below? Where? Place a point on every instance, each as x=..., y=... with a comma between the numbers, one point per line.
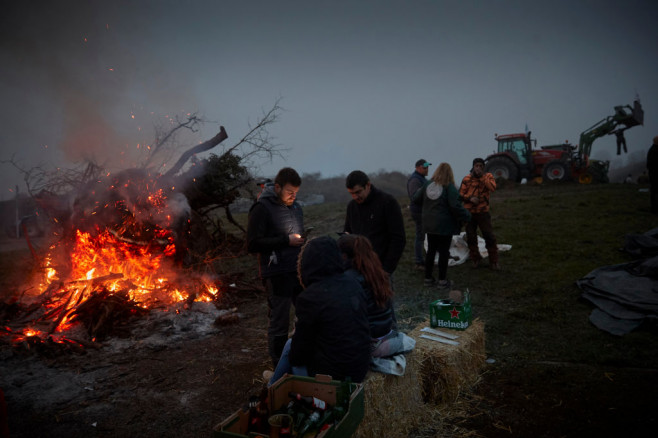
x=105, y=261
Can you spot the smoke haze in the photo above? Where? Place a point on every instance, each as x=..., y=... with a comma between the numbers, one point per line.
x=370, y=85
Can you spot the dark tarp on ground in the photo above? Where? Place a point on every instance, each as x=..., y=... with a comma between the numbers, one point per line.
x=626, y=294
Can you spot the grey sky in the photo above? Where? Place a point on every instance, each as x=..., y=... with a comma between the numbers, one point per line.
x=369, y=84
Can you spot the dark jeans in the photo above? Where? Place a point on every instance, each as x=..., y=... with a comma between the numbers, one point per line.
x=441, y=244
x=419, y=240
x=282, y=290
x=284, y=366
x=482, y=221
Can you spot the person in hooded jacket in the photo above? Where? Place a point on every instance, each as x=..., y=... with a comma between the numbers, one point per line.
x=362, y=262
x=443, y=214
x=332, y=333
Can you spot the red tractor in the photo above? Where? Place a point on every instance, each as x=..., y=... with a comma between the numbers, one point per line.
x=516, y=159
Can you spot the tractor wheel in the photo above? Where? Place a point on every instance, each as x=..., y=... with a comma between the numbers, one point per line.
x=502, y=168
x=555, y=171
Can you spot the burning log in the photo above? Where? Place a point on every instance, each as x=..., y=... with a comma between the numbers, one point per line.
x=105, y=311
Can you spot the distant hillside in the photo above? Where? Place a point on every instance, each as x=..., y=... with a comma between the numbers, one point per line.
x=315, y=188
x=333, y=189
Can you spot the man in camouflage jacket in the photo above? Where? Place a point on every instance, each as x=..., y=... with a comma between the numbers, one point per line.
x=475, y=190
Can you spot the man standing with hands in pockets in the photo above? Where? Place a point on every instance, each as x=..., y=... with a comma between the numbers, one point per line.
x=475, y=190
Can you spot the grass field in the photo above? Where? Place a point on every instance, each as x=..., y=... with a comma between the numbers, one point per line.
x=552, y=373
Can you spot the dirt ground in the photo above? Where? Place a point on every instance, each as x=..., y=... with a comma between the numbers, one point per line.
x=133, y=387
x=186, y=384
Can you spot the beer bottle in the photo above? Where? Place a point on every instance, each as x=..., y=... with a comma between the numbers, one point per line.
x=263, y=410
x=311, y=423
x=298, y=412
x=258, y=413
x=314, y=402
x=254, y=417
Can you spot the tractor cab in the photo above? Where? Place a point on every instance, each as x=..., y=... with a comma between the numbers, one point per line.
x=518, y=146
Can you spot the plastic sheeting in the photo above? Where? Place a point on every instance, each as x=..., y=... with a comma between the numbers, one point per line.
x=459, y=249
x=625, y=295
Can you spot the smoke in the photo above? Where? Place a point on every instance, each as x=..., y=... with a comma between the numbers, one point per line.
x=86, y=86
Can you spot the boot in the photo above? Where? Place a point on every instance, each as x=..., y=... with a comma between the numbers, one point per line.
x=493, y=258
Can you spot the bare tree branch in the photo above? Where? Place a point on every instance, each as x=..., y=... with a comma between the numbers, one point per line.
x=191, y=124
x=217, y=139
x=258, y=137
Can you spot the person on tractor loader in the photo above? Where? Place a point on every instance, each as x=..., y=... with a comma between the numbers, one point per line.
x=652, y=167
x=621, y=140
x=475, y=190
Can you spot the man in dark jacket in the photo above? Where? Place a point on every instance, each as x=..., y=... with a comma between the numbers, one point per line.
x=415, y=182
x=274, y=232
x=376, y=215
x=332, y=333
x=652, y=167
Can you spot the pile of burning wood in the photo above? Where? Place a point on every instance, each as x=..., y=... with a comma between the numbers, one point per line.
x=117, y=257
x=117, y=254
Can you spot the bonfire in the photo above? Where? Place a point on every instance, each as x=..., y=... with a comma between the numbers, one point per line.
x=118, y=253
x=118, y=257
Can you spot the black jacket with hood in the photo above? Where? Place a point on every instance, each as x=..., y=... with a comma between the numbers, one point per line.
x=332, y=334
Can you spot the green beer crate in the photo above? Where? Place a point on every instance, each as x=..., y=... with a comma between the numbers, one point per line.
x=322, y=387
x=450, y=314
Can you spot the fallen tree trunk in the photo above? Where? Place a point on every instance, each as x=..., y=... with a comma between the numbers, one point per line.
x=217, y=139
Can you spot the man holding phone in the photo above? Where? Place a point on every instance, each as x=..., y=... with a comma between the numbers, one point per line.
x=475, y=190
x=275, y=232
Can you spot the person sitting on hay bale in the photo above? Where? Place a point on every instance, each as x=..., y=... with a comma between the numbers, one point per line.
x=387, y=345
x=332, y=333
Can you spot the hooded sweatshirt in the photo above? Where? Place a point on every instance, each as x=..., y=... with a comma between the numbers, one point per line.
x=332, y=334
x=443, y=211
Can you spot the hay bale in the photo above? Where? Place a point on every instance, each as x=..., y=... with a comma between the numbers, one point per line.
x=446, y=370
x=435, y=376
x=394, y=404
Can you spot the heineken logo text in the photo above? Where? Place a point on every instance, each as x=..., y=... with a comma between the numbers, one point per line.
x=452, y=324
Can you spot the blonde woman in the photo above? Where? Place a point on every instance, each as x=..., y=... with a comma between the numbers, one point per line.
x=443, y=214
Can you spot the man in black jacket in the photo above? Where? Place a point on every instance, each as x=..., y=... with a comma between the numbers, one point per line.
x=415, y=182
x=376, y=215
x=274, y=232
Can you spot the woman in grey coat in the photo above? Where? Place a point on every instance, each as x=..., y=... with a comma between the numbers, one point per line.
x=443, y=215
